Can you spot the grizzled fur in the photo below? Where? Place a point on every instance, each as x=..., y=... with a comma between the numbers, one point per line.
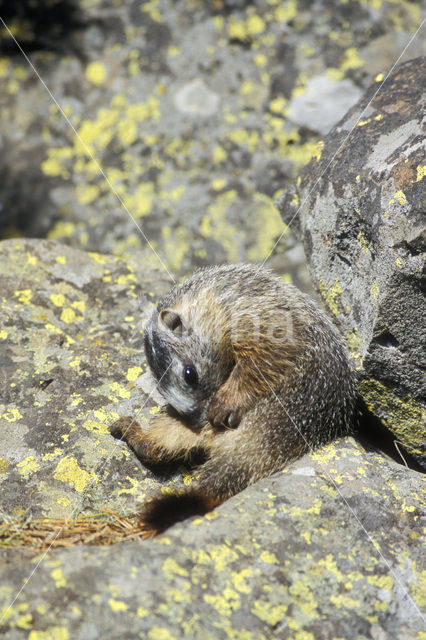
x=254, y=375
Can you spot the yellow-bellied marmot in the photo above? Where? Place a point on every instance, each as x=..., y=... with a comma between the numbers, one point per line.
x=254, y=375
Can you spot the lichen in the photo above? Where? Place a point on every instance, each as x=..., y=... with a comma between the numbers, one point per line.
x=403, y=415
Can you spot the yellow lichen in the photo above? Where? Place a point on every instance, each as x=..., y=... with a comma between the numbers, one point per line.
x=218, y=154
x=218, y=184
x=68, y=315
x=255, y=25
x=260, y=60
x=96, y=427
x=240, y=580
x=58, y=299
x=52, y=633
x=303, y=598
x=187, y=476
x=12, y=414
x=421, y=172
x=268, y=557
x=133, y=373
x=226, y=603
x=86, y=194
x=351, y=60
x=342, y=601
x=160, y=633
x=24, y=295
x=222, y=556
x=68, y=470
x=151, y=7
x=286, y=11
x=134, y=490
x=58, y=577
x=331, y=295
x=278, y=104
x=117, y=605
x=363, y=242
x=62, y=229
x=399, y=196
x=96, y=73
x=269, y=228
x=269, y=613
x=317, y=151
x=27, y=466
x=120, y=391
x=80, y=305
x=375, y=289
x=403, y=416
x=176, y=246
x=171, y=568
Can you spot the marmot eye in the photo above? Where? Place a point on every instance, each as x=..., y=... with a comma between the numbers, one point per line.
x=190, y=375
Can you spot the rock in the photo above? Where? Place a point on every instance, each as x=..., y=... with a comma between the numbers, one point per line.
x=323, y=103
x=199, y=183
x=326, y=548
x=70, y=360
x=362, y=217
x=289, y=557
x=196, y=99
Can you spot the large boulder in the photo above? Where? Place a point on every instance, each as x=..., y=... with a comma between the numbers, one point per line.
x=71, y=356
x=360, y=206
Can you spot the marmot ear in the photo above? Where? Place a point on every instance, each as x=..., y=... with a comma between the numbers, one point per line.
x=172, y=321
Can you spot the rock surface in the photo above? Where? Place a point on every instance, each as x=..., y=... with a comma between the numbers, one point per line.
x=362, y=215
x=328, y=548
x=190, y=108
x=323, y=103
x=71, y=343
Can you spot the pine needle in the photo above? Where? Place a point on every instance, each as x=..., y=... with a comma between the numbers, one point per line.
x=38, y=534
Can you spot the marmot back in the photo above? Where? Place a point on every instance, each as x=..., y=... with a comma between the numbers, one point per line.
x=254, y=375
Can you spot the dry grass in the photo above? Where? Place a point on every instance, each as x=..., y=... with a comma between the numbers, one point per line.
x=103, y=528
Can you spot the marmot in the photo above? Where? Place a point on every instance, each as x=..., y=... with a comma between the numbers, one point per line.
x=254, y=375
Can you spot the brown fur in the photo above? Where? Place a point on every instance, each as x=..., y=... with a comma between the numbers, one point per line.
x=254, y=375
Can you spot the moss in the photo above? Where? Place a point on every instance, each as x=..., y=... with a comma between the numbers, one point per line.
x=403, y=416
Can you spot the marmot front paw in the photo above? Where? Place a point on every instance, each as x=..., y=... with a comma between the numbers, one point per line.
x=222, y=412
x=121, y=427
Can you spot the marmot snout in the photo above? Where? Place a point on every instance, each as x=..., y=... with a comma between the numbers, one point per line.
x=254, y=375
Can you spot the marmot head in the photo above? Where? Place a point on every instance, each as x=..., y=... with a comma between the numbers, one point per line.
x=186, y=367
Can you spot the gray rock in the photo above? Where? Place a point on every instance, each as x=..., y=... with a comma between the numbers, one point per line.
x=196, y=99
x=71, y=344
x=323, y=103
x=327, y=548
x=200, y=186
x=362, y=216
x=289, y=557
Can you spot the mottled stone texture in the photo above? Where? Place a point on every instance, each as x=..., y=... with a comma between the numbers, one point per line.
x=71, y=361
x=199, y=113
x=362, y=216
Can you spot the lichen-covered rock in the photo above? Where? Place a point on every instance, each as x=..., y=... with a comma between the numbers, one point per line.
x=327, y=548
x=71, y=354
x=195, y=147
x=290, y=557
x=362, y=216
